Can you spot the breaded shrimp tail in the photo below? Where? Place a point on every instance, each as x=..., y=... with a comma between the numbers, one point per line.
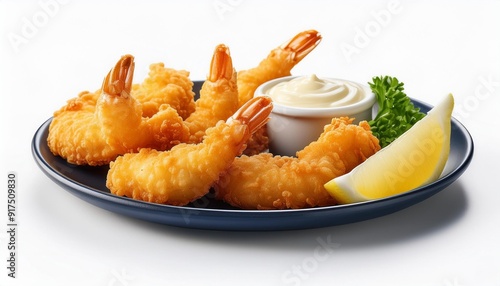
x=186, y=172
x=218, y=96
x=278, y=63
x=265, y=181
x=95, y=128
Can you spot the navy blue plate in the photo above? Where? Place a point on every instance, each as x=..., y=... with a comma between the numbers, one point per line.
x=89, y=184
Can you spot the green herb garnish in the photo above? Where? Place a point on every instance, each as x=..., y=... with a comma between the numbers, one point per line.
x=396, y=112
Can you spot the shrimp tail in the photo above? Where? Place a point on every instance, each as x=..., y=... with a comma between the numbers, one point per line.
x=118, y=82
x=254, y=113
x=218, y=96
x=302, y=44
x=221, y=65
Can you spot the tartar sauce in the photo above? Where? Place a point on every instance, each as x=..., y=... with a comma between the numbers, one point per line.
x=311, y=91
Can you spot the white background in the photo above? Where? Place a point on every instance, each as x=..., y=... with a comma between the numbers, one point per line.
x=50, y=51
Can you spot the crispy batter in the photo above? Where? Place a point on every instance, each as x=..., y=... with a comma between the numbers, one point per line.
x=175, y=149
x=258, y=143
x=94, y=128
x=165, y=86
x=265, y=181
x=187, y=171
x=218, y=96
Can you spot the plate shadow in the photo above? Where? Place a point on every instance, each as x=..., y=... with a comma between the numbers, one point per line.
x=425, y=218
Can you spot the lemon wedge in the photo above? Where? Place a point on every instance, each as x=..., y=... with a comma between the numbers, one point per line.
x=415, y=158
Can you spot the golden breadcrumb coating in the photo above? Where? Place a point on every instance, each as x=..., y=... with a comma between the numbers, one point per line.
x=165, y=86
x=187, y=171
x=265, y=181
x=94, y=128
x=218, y=96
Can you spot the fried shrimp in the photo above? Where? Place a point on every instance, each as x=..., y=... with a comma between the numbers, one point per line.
x=278, y=63
x=218, y=96
x=165, y=86
x=187, y=171
x=265, y=181
x=94, y=128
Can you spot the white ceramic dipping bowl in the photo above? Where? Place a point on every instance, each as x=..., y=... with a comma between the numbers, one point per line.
x=291, y=128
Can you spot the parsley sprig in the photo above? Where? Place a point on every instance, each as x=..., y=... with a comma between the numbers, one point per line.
x=396, y=112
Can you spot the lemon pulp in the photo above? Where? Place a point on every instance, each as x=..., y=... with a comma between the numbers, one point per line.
x=416, y=158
